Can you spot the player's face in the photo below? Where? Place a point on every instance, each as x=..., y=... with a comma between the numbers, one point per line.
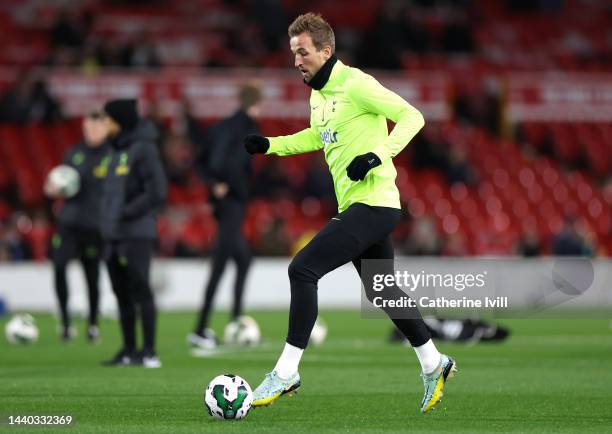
x=94, y=131
x=307, y=58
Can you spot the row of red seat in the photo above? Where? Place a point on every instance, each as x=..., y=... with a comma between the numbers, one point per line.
x=186, y=36
x=572, y=142
x=514, y=193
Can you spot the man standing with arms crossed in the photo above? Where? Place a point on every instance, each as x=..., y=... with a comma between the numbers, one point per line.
x=349, y=112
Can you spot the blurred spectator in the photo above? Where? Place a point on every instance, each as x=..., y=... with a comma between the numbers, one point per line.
x=155, y=117
x=529, y=245
x=272, y=180
x=384, y=44
x=274, y=240
x=417, y=39
x=569, y=242
x=70, y=30
x=93, y=57
x=194, y=130
x=457, y=36
x=13, y=247
x=478, y=104
x=68, y=35
x=29, y=100
x=247, y=47
x=272, y=21
x=318, y=182
x=111, y=53
x=177, y=157
x=455, y=245
x=140, y=53
x=424, y=239
x=429, y=149
x=457, y=167
x=39, y=234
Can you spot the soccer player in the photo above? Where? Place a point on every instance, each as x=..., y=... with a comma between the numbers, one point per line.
x=227, y=171
x=78, y=232
x=349, y=112
x=134, y=190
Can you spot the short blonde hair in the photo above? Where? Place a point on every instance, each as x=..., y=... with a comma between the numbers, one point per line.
x=249, y=94
x=319, y=30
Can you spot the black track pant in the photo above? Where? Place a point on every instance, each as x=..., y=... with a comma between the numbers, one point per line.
x=129, y=262
x=85, y=244
x=360, y=232
x=230, y=244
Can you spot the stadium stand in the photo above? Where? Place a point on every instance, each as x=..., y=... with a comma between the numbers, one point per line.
x=486, y=180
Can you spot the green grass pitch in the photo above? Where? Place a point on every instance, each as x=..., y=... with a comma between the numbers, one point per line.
x=550, y=376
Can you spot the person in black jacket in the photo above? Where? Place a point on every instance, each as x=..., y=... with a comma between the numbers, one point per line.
x=227, y=171
x=78, y=231
x=134, y=190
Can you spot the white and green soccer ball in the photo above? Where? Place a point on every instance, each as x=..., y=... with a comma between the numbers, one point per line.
x=21, y=329
x=65, y=179
x=228, y=397
x=243, y=331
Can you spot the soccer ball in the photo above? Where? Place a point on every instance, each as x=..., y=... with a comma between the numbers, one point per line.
x=319, y=333
x=66, y=179
x=242, y=331
x=21, y=329
x=228, y=397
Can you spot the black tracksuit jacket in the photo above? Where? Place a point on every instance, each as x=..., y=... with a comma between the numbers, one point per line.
x=83, y=209
x=224, y=158
x=135, y=185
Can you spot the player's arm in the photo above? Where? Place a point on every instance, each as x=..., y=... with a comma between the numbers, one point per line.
x=368, y=94
x=304, y=141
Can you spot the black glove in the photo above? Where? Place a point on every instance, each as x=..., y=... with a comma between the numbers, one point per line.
x=361, y=164
x=256, y=144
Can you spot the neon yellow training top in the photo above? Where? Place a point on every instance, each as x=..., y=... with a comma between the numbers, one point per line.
x=348, y=118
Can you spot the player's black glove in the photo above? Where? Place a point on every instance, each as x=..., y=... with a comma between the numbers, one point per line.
x=256, y=144
x=361, y=164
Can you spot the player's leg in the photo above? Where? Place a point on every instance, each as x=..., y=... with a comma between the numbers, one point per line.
x=329, y=249
x=345, y=237
x=408, y=320
x=138, y=254
x=117, y=270
x=64, y=248
x=242, y=257
x=436, y=368
x=90, y=259
x=221, y=253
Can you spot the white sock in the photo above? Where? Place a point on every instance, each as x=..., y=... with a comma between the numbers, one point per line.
x=288, y=361
x=429, y=357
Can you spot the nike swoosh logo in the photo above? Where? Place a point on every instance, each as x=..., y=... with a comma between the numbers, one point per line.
x=370, y=161
x=335, y=218
x=315, y=107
